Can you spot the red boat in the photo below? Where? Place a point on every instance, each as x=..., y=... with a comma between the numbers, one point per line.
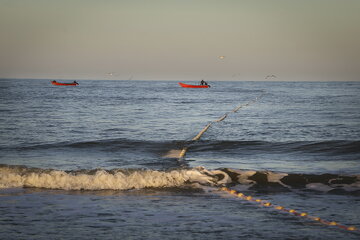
x=193, y=86
x=64, y=84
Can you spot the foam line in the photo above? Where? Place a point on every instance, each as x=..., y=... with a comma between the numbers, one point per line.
x=100, y=179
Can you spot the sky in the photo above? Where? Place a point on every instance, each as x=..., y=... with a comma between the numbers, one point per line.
x=240, y=40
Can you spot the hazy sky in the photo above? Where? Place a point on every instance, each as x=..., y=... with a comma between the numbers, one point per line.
x=180, y=40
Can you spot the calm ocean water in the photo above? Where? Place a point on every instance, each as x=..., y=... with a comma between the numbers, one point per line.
x=93, y=162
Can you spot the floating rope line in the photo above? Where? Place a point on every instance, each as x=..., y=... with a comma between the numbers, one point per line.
x=261, y=202
x=198, y=136
x=292, y=211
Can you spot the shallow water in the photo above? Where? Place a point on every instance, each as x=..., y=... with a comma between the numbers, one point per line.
x=88, y=161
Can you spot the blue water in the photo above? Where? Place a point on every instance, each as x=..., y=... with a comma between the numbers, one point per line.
x=91, y=161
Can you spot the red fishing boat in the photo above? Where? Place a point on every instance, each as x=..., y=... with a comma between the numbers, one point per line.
x=184, y=85
x=64, y=84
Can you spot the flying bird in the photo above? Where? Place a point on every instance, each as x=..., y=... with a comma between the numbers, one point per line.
x=270, y=76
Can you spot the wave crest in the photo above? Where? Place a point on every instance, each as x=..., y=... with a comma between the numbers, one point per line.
x=125, y=179
x=99, y=179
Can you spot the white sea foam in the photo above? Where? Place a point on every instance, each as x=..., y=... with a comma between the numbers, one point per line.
x=243, y=177
x=226, y=179
x=353, y=187
x=319, y=187
x=174, y=153
x=123, y=179
x=101, y=179
x=275, y=177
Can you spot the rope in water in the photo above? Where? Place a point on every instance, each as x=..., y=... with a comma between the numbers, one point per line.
x=292, y=211
x=259, y=201
x=198, y=136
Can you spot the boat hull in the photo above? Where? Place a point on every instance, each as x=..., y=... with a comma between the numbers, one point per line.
x=64, y=84
x=193, y=86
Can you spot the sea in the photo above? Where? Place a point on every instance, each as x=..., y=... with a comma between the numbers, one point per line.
x=101, y=160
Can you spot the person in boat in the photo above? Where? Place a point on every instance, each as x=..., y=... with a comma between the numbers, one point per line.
x=204, y=83
x=54, y=81
x=76, y=82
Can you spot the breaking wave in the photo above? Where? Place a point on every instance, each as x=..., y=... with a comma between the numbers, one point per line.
x=99, y=179
x=125, y=179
